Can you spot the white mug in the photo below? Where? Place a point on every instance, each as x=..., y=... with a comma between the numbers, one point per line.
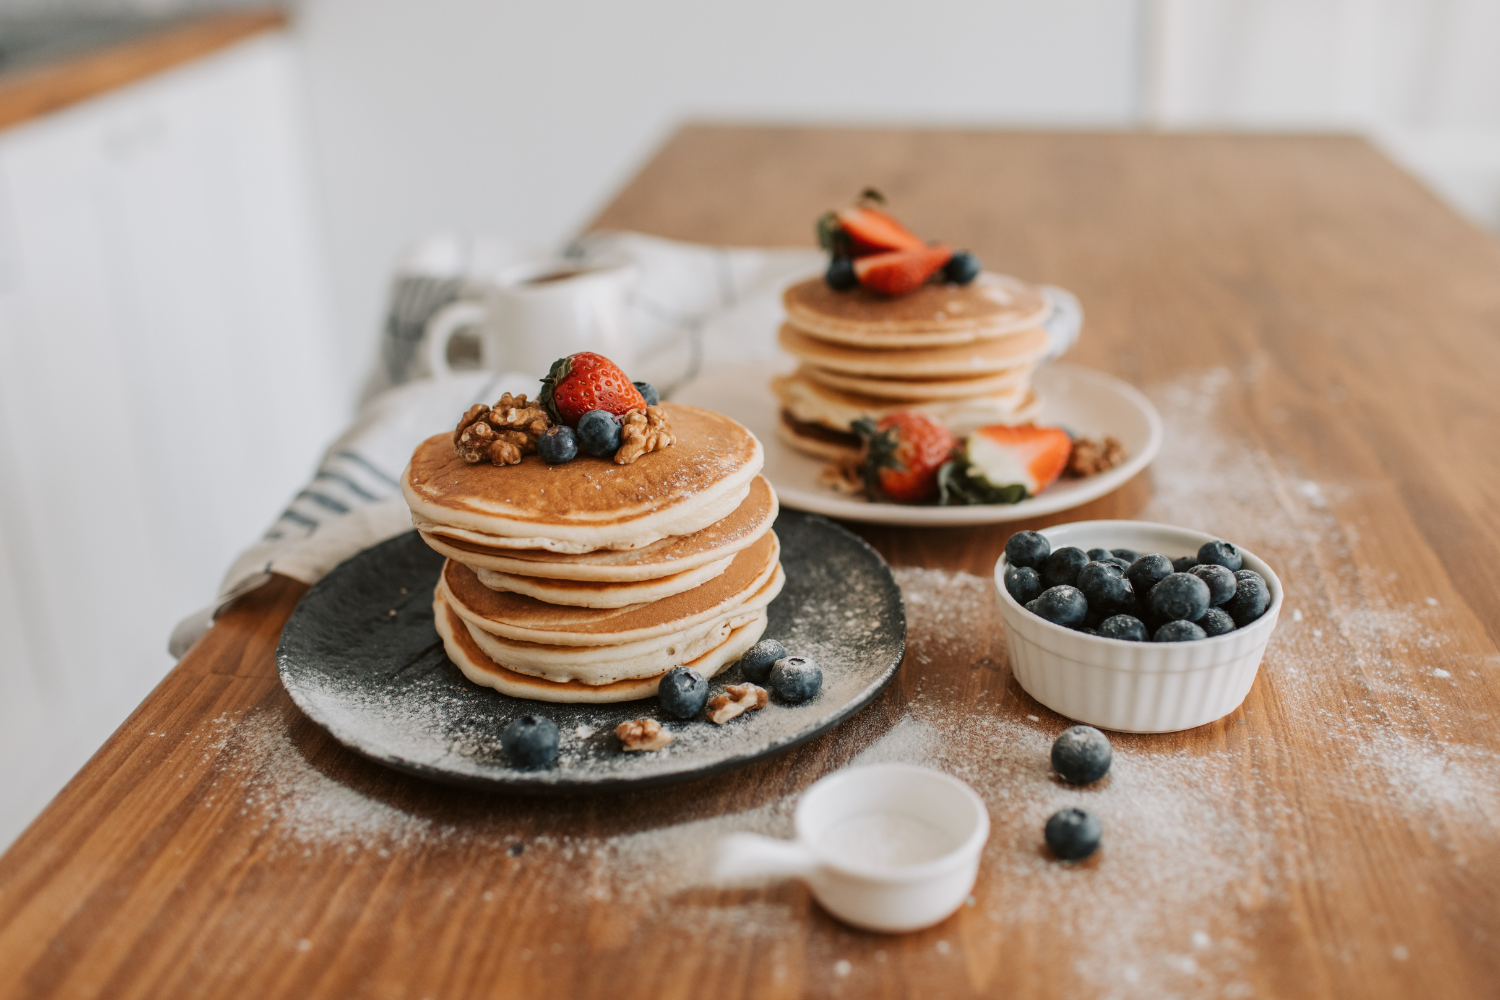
x=535, y=313
x=889, y=847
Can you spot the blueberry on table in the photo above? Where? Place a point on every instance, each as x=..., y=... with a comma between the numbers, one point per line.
x=795, y=678
x=530, y=741
x=682, y=692
x=1147, y=571
x=1023, y=583
x=1251, y=598
x=1179, y=631
x=558, y=444
x=1126, y=627
x=1184, y=564
x=1063, y=605
x=599, y=433
x=840, y=274
x=1081, y=755
x=1216, y=621
x=1027, y=548
x=1180, y=597
x=1221, y=581
x=1073, y=833
x=962, y=268
x=1220, y=553
x=1129, y=555
x=648, y=393
x=1105, y=588
x=1063, y=566
x=755, y=665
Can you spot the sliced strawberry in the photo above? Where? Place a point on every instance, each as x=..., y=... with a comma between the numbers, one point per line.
x=902, y=454
x=1031, y=456
x=872, y=231
x=901, y=271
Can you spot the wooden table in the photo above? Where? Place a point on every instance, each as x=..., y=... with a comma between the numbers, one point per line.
x=1323, y=340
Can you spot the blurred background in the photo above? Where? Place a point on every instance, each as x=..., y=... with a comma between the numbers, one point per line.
x=195, y=251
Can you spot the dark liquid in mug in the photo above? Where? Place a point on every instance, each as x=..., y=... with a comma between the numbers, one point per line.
x=553, y=276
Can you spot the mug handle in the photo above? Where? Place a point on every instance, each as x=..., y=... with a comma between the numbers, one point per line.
x=440, y=329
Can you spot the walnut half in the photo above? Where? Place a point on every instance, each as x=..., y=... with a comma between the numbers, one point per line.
x=642, y=734
x=642, y=431
x=1090, y=457
x=501, y=433
x=736, y=700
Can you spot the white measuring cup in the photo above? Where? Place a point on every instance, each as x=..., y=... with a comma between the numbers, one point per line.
x=889, y=847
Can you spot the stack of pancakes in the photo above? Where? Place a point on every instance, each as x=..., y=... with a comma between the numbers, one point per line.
x=962, y=353
x=586, y=581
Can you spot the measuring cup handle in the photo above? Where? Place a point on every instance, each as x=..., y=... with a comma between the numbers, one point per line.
x=441, y=327
x=749, y=855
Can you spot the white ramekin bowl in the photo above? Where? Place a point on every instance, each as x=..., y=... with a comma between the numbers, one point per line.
x=1134, y=687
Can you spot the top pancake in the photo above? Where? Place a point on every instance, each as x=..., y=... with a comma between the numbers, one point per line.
x=992, y=305
x=589, y=503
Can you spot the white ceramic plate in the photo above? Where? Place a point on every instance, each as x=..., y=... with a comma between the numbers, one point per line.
x=1086, y=402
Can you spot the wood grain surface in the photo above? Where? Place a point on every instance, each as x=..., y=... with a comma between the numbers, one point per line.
x=1321, y=337
x=38, y=90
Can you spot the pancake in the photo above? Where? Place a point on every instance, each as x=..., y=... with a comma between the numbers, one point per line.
x=815, y=439
x=515, y=616
x=663, y=558
x=592, y=594
x=589, y=503
x=989, y=357
x=482, y=670
x=808, y=402
x=993, y=305
x=921, y=390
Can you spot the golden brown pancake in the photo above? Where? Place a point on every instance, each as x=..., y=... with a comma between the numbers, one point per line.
x=993, y=305
x=812, y=403
x=987, y=357
x=588, y=503
x=920, y=390
x=481, y=669
x=593, y=594
x=515, y=616
x=666, y=557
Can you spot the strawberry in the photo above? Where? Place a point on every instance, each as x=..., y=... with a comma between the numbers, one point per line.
x=902, y=454
x=900, y=271
x=1030, y=456
x=872, y=231
x=587, y=381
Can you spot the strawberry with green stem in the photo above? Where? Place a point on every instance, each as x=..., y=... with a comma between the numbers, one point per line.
x=587, y=381
x=902, y=453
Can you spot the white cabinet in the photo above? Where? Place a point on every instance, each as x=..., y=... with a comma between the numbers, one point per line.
x=165, y=383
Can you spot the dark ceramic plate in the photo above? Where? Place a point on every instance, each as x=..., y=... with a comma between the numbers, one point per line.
x=361, y=657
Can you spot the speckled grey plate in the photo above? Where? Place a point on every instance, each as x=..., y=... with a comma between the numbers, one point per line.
x=361, y=657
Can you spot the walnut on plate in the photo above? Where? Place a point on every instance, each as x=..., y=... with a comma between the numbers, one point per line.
x=1090, y=457
x=642, y=734
x=642, y=431
x=502, y=433
x=736, y=700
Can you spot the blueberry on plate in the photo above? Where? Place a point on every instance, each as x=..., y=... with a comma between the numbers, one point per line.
x=962, y=268
x=682, y=692
x=648, y=393
x=840, y=274
x=558, y=444
x=1180, y=597
x=1183, y=564
x=1027, y=548
x=1216, y=621
x=1221, y=582
x=1095, y=555
x=1147, y=571
x=1105, y=588
x=1126, y=627
x=1062, y=604
x=599, y=433
x=1081, y=755
x=1023, y=583
x=795, y=678
x=1129, y=555
x=1251, y=598
x=1073, y=833
x=1219, y=553
x=755, y=665
x=1179, y=631
x=530, y=741
x=1062, y=567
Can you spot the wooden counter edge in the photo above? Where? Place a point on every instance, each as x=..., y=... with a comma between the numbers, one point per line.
x=31, y=93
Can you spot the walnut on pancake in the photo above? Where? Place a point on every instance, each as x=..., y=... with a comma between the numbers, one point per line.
x=642, y=734
x=736, y=700
x=643, y=431
x=502, y=433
